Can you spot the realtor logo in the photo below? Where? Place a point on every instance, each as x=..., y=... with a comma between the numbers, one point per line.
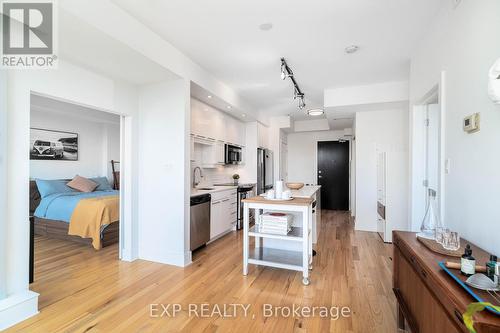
x=28, y=34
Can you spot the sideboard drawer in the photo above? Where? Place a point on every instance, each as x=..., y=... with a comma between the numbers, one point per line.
x=427, y=313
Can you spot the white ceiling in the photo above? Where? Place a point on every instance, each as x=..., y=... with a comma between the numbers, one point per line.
x=89, y=47
x=223, y=36
x=202, y=94
x=71, y=110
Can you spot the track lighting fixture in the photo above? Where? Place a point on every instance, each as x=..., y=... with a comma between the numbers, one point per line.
x=302, y=103
x=286, y=71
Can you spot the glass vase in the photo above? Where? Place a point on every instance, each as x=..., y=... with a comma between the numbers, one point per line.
x=431, y=227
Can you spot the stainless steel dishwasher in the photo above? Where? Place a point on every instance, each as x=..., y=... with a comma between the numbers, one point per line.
x=200, y=221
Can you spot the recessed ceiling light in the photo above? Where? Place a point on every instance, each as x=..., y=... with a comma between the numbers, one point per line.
x=244, y=115
x=315, y=112
x=229, y=107
x=209, y=96
x=351, y=49
x=266, y=26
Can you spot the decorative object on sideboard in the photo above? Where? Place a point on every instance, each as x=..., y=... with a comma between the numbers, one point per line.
x=482, y=282
x=450, y=240
x=491, y=267
x=236, y=178
x=435, y=247
x=467, y=262
x=431, y=220
x=494, y=82
x=497, y=273
x=295, y=186
x=51, y=145
x=484, y=290
x=457, y=265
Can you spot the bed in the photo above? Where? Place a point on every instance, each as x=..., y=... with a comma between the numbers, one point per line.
x=52, y=215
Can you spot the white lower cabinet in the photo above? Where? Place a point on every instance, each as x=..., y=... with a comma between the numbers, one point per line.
x=222, y=213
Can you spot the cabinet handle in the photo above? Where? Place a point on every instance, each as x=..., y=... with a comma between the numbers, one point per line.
x=424, y=273
x=459, y=316
x=225, y=200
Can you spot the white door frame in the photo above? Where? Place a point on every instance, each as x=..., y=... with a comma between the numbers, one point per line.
x=126, y=153
x=3, y=177
x=416, y=167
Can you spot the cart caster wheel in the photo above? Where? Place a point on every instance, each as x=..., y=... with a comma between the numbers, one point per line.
x=305, y=281
x=310, y=267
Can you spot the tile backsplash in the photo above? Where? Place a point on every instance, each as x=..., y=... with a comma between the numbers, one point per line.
x=218, y=175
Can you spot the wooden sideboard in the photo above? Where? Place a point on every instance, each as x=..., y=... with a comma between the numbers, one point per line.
x=429, y=301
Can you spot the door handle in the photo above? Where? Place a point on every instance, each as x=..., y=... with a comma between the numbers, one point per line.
x=320, y=176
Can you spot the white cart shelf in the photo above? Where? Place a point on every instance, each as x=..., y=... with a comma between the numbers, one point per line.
x=276, y=258
x=285, y=259
x=294, y=235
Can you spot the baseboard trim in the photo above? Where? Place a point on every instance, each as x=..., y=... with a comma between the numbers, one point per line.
x=174, y=259
x=18, y=307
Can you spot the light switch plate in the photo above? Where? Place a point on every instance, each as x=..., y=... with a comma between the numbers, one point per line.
x=447, y=166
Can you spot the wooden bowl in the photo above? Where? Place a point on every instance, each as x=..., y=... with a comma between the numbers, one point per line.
x=295, y=186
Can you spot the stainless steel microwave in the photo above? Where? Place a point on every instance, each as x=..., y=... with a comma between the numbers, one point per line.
x=233, y=154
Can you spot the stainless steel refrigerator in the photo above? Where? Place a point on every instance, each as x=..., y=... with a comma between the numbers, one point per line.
x=265, y=178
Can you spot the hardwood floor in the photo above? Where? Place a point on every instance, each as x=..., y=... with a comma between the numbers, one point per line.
x=82, y=290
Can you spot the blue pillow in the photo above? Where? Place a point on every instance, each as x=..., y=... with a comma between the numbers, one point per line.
x=48, y=187
x=103, y=184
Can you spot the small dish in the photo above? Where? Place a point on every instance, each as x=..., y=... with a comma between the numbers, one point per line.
x=295, y=186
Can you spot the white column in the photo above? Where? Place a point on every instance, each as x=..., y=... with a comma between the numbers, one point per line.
x=3, y=179
x=164, y=171
x=245, y=237
x=20, y=303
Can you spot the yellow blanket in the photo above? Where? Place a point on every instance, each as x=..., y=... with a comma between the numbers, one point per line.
x=91, y=214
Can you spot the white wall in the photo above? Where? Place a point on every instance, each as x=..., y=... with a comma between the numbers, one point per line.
x=352, y=185
x=248, y=171
x=387, y=92
x=387, y=130
x=472, y=187
x=275, y=135
x=302, y=154
x=111, y=138
x=164, y=167
x=97, y=142
x=67, y=83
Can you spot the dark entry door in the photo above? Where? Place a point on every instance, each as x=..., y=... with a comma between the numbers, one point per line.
x=333, y=174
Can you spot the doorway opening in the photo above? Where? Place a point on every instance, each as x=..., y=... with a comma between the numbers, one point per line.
x=75, y=195
x=333, y=174
x=427, y=155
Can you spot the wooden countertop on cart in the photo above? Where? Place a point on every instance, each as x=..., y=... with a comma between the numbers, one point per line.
x=293, y=202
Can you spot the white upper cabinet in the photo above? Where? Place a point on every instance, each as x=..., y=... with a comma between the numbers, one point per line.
x=211, y=123
x=235, y=131
x=262, y=136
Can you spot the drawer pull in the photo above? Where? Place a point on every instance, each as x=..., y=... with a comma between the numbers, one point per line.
x=424, y=273
x=459, y=316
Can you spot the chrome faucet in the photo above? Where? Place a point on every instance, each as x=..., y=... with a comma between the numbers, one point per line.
x=195, y=183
